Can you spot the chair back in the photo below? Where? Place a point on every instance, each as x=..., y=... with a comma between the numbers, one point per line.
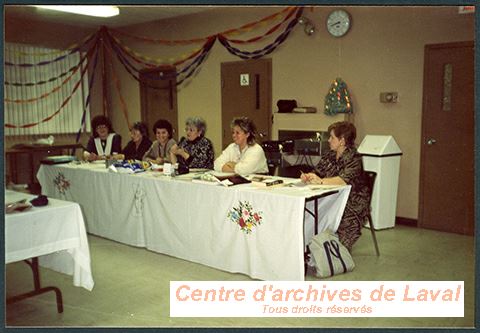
x=370, y=182
x=271, y=170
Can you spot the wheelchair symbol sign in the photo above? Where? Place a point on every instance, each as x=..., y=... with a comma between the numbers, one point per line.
x=244, y=79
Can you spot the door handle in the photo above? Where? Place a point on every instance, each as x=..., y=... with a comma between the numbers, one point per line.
x=431, y=141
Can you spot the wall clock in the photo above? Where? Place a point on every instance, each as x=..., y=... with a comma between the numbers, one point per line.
x=338, y=22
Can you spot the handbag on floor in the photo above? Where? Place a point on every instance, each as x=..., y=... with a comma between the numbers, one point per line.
x=329, y=256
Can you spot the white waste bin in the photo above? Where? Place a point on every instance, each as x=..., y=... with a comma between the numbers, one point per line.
x=381, y=154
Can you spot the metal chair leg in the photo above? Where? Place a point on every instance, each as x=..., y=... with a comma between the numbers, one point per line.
x=372, y=230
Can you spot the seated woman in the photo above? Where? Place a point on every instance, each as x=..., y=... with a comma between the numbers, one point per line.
x=140, y=143
x=159, y=151
x=196, y=151
x=342, y=165
x=243, y=156
x=104, y=142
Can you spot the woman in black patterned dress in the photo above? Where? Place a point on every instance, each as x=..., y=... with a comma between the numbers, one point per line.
x=342, y=165
x=195, y=151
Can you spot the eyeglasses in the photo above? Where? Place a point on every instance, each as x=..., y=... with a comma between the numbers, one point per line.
x=101, y=127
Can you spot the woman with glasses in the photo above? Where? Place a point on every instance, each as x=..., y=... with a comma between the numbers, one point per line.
x=139, y=144
x=244, y=156
x=194, y=151
x=104, y=143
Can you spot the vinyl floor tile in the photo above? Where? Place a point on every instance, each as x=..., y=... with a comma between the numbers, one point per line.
x=132, y=284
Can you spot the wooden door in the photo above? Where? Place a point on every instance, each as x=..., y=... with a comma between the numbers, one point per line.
x=158, y=98
x=447, y=151
x=247, y=92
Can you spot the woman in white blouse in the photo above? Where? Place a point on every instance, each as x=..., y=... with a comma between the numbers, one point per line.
x=244, y=156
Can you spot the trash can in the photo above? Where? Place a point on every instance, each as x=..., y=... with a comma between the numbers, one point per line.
x=381, y=154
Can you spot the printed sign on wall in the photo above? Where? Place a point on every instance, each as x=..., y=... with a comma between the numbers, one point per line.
x=244, y=79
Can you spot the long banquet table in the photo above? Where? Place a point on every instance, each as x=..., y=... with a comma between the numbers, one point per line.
x=211, y=225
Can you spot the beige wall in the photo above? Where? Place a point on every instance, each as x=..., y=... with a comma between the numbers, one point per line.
x=382, y=52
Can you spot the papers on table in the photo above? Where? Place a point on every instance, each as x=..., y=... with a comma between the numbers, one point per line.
x=194, y=170
x=156, y=167
x=313, y=187
x=211, y=179
x=16, y=202
x=14, y=196
x=264, y=181
x=323, y=187
x=221, y=174
x=206, y=178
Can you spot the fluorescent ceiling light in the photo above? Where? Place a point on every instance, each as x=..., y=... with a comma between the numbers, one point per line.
x=100, y=11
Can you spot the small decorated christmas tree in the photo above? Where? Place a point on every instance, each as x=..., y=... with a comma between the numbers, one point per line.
x=338, y=99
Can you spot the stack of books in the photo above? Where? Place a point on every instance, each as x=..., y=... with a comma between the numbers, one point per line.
x=58, y=159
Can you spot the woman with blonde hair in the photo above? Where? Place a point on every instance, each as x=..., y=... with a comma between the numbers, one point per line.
x=244, y=156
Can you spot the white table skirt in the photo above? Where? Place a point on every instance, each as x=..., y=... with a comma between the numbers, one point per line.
x=55, y=233
x=191, y=221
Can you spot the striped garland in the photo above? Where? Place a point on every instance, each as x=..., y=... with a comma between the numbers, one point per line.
x=65, y=102
x=123, y=53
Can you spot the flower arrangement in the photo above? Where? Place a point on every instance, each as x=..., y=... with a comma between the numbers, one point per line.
x=61, y=183
x=245, y=217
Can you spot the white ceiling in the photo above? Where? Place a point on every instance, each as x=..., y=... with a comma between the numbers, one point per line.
x=128, y=15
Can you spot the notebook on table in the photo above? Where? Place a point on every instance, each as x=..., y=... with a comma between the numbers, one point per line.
x=58, y=159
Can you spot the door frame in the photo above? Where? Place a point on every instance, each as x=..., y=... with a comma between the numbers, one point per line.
x=172, y=97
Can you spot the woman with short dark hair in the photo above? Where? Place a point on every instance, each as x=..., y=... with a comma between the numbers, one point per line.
x=139, y=144
x=243, y=156
x=342, y=165
x=104, y=142
x=194, y=151
x=159, y=151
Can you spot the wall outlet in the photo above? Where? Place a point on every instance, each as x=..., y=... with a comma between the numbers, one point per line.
x=389, y=97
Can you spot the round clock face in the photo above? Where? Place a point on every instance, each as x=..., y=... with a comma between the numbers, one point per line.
x=338, y=23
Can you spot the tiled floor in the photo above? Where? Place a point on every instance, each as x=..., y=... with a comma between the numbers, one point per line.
x=132, y=284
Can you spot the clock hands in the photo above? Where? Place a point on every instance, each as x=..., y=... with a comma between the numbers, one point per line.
x=338, y=22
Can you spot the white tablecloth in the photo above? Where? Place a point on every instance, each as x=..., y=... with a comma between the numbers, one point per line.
x=55, y=233
x=195, y=221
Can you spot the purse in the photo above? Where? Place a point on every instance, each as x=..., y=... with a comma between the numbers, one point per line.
x=286, y=105
x=329, y=256
x=39, y=201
